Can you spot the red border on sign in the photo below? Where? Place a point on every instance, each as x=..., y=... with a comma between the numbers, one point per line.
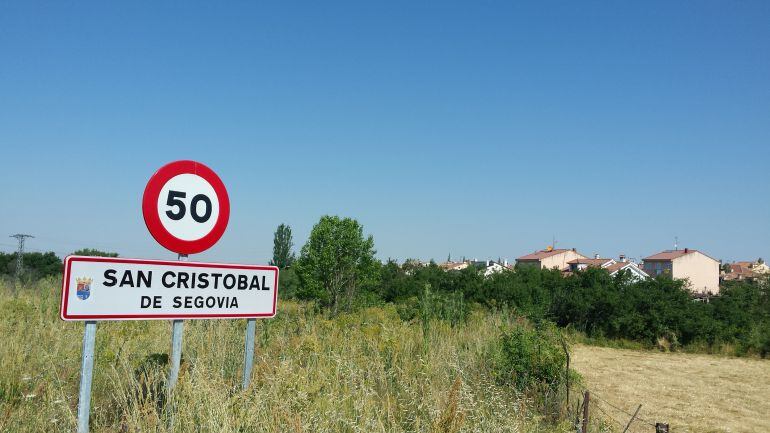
x=66, y=289
x=150, y=207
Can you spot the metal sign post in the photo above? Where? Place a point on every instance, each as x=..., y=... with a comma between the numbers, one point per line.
x=186, y=208
x=86, y=376
x=113, y=288
x=248, y=357
x=177, y=331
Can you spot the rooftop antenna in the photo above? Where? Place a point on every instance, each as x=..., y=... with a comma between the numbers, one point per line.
x=676, y=243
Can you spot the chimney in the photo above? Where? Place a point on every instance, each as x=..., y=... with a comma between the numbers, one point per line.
x=596, y=256
x=574, y=250
x=487, y=263
x=505, y=263
x=622, y=258
x=686, y=250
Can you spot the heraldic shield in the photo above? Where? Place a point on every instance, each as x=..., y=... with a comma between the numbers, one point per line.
x=84, y=288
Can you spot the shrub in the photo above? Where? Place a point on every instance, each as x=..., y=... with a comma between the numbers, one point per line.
x=430, y=305
x=530, y=358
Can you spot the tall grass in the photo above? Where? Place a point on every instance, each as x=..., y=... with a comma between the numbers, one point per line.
x=367, y=371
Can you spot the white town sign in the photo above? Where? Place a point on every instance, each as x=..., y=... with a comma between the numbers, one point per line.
x=104, y=288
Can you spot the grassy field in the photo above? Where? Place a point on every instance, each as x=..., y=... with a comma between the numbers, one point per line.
x=693, y=393
x=363, y=372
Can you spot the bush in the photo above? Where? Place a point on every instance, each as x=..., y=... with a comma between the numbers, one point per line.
x=429, y=305
x=530, y=358
x=36, y=265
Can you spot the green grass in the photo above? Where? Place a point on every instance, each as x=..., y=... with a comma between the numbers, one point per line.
x=367, y=371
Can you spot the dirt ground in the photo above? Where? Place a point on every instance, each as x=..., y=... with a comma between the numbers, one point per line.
x=693, y=393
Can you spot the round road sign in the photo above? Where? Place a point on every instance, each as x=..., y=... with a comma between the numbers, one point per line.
x=186, y=207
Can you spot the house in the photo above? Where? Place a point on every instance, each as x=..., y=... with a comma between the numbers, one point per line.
x=611, y=265
x=550, y=258
x=745, y=270
x=453, y=266
x=700, y=270
x=758, y=267
x=486, y=267
x=739, y=271
x=584, y=263
x=490, y=267
x=634, y=271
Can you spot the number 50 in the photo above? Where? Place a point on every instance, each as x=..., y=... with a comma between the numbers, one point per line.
x=175, y=199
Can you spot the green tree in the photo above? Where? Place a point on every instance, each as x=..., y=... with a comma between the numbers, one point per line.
x=7, y=263
x=283, y=257
x=336, y=262
x=93, y=252
x=36, y=265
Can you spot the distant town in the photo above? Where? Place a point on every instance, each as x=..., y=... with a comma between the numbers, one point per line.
x=703, y=272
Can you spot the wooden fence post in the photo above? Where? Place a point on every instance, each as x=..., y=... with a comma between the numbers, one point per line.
x=586, y=401
x=633, y=417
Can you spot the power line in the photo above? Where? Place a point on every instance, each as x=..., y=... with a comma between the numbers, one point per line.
x=20, y=254
x=27, y=249
x=86, y=244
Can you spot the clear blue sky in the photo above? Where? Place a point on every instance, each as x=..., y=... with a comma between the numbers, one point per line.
x=477, y=128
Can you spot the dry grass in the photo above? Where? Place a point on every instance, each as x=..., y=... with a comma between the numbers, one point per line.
x=693, y=393
x=363, y=372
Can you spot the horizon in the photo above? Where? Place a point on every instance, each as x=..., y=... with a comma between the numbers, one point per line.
x=482, y=131
x=6, y=248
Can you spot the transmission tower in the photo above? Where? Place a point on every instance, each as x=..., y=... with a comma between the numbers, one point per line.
x=20, y=253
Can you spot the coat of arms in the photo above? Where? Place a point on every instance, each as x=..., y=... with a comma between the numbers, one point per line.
x=84, y=288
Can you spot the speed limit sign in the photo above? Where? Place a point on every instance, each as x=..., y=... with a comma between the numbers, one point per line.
x=186, y=207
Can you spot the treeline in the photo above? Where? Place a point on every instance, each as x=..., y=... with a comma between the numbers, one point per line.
x=656, y=312
x=40, y=265
x=35, y=265
x=336, y=268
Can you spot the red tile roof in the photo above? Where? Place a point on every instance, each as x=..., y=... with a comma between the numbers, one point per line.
x=670, y=254
x=615, y=266
x=538, y=255
x=620, y=265
x=589, y=262
x=741, y=268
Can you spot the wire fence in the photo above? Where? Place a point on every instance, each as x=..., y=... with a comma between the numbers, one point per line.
x=613, y=414
x=636, y=418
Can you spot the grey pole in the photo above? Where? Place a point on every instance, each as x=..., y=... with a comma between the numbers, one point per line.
x=248, y=358
x=177, y=330
x=86, y=376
